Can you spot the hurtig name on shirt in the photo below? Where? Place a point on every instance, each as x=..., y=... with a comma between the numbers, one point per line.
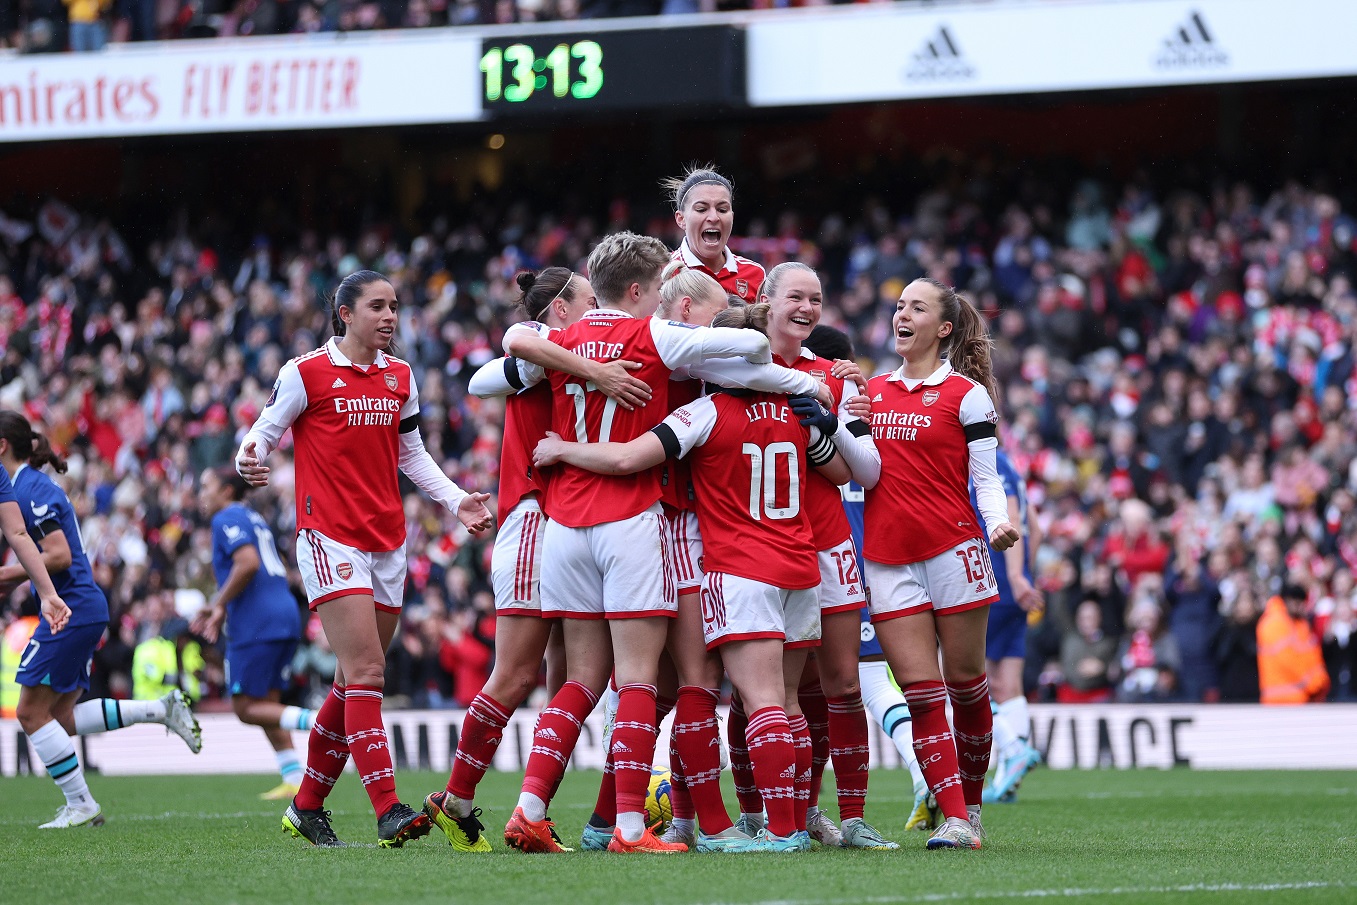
x=760, y=411
x=598, y=351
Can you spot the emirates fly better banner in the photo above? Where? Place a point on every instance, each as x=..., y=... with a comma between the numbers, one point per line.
x=254, y=84
x=901, y=51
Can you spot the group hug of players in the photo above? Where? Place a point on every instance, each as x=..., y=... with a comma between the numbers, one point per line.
x=670, y=511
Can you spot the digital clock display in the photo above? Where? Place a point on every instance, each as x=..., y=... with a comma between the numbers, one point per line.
x=613, y=70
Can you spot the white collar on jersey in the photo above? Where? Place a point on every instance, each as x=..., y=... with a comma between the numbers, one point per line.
x=806, y=354
x=931, y=380
x=339, y=359
x=606, y=313
x=690, y=259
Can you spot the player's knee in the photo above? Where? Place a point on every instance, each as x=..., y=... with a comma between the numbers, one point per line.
x=369, y=673
x=32, y=716
x=242, y=706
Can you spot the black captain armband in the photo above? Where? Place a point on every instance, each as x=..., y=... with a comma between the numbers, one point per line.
x=981, y=430
x=821, y=451
x=668, y=439
x=409, y=424
x=511, y=373
x=859, y=428
x=42, y=529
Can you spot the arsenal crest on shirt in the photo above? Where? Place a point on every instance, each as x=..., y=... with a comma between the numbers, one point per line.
x=742, y=288
x=819, y=375
x=931, y=396
x=391, y=382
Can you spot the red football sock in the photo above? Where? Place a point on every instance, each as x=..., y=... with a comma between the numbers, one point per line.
x=771, y=747
x=974, y=734
x=633, y=747
x=698, y=742
x=851, y=752
x=933, y=744
x=367, y=744
x=801, y=742
x=746, y=789
x=482, y=730
x=816, y=710
x=558, y=729
x=327, y=751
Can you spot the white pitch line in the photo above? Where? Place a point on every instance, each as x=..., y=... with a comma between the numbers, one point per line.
x=1069, y=893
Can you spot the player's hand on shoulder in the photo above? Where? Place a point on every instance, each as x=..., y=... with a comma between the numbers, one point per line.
x=849, y=370
x=248, y=466
x=860, y=407
x=1004, y=536
x=56, y=612
x=811, y=413
x=614, y=380
x=472, y=512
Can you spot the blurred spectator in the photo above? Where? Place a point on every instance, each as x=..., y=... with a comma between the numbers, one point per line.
x=87, y=30
x=1340, y=650
x=1290, y=663
x=1148, y=660
x=1086, y=655
x=1193, y=599
x=1236, y=651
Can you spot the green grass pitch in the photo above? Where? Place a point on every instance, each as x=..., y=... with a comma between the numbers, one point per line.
x=1113, y=836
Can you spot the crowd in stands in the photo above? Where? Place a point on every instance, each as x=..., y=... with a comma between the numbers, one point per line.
x=1177, y=369
x=39, y=26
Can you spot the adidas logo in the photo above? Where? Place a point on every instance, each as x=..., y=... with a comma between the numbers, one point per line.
x=337, y=384
x=548, y=734
x=621, y=748
x=980, y=587
x=939, y=59
x=789, y=773
x=876, y=398
x=1191, y=45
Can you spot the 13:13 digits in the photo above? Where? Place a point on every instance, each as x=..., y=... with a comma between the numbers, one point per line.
x=529, y=73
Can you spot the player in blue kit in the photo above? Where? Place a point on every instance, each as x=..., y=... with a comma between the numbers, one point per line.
x=55, y=667
x=262, y=619
x=880, y=695
x=1005, y=640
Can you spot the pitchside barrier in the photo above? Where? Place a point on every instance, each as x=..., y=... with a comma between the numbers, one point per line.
x=1213, y=737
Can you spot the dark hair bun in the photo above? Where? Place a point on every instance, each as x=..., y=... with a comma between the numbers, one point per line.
x=526, y=280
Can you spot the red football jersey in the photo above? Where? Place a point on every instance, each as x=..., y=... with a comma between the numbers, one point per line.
x=580, y=498
x=824, y=502
x=740, y=276
x=345, y=427
x=677, y=477
x=921, y=507
x=748, y=456
x=527, y=418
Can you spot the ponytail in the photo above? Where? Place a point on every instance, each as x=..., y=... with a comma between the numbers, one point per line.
x=969, y=347
x=28, y=446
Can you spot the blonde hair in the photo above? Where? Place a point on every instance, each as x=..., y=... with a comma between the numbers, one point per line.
x=745, y=317
x=774, y=277
x=622, y=259
x=680, y=280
